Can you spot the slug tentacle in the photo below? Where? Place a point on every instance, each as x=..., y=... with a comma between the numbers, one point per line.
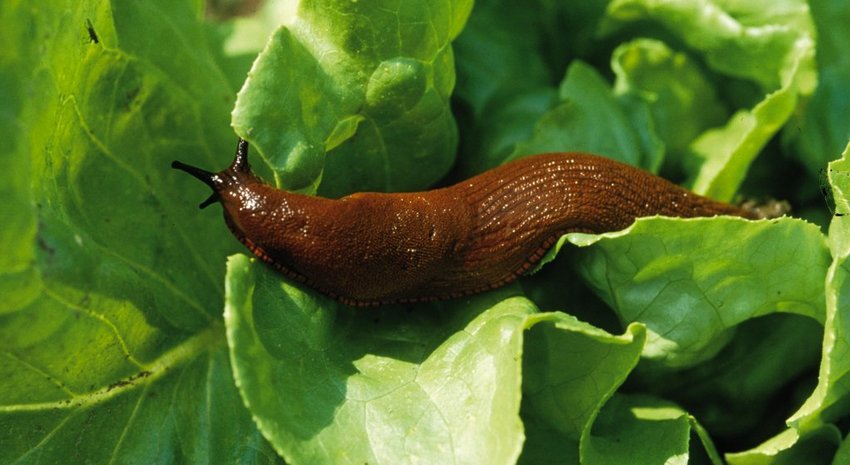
x=208, y=178
x=374, y=248
x=240, y=161
x=217, y=181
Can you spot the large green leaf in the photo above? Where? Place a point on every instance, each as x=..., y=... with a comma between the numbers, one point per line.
x=20, y=281
x=689, y=284
x=831, y=398
x=509, y=66
x=331, y=384
x=843, y=454
x=112, y=347
x=366, y=83
x=734, y=395
x=435, y=384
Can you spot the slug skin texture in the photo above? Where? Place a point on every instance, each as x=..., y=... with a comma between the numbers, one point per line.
x=375, y=248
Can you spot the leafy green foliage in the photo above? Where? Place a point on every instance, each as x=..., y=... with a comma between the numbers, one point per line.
x=689, y=285
x=371, y=83
x=628, y=422
x=386, y=386
x=590, y=119
x=127, y=336
x=111, y=343
x=822, y=129
x=826, y=402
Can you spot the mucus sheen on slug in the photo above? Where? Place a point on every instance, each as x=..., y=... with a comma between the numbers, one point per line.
x=376, y=248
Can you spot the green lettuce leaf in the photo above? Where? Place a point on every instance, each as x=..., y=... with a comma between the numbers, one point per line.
x=503, y=84
x=628, y=422
x=367, y=84
x=247, y=35
x=112, y=347
x=788, y=447
x=570, y=369
x=734, y=395
x=682, y=102
x=764, y=42
x=508, y=71
x=689, y=284
x=811, y=435
x=20, y=280
x=441, y=382
x=331, y=384
x=820, y=129
x=590, y=119
x=685, y=340
x=843, y=454
x=829, y=401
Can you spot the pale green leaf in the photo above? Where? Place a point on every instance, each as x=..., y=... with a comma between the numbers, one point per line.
x=333, y=384
x=770, y=43
x=830, y=399
x=689, y=283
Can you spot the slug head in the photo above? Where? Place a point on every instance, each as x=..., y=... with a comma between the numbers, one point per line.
x=218, y=182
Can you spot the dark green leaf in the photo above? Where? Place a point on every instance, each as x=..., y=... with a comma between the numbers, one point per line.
x=110, y=334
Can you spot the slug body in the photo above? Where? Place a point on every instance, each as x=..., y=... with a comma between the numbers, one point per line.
x=479, y=234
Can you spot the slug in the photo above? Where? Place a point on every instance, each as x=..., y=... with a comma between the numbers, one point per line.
x=376, y=248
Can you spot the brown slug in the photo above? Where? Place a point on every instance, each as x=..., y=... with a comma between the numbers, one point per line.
x=374, y=248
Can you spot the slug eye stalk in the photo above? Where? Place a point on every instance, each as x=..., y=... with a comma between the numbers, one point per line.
x=207, y=177
x=215, y=180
